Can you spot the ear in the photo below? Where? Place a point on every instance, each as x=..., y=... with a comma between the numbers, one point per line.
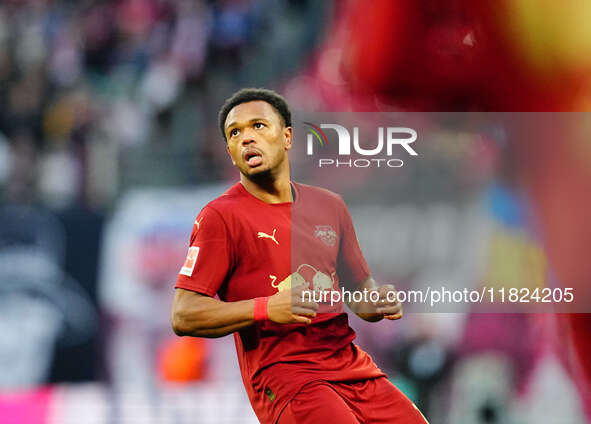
x=287, y=137
x=229, y=154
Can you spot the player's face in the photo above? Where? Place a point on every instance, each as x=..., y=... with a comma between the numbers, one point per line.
x=257, y=139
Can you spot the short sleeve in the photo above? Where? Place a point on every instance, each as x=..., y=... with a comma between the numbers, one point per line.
x=352, y=268
x=209, y=255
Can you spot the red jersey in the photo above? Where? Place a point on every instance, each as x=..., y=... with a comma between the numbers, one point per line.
x=242, y=248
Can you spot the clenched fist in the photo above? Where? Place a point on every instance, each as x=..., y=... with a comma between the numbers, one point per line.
x=287, y=307
x=388, y=304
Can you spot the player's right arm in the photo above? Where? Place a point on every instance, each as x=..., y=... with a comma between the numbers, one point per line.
x=195, y=311
x=195, y=314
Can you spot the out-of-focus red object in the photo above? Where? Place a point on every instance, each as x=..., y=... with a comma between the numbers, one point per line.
x=182, y=360
x=459, y=55
x=421, y=54
x=556, y=170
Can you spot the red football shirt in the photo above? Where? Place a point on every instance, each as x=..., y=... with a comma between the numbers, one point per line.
x=242, y=248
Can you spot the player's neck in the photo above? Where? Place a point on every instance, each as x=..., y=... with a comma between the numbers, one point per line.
x=272, y=190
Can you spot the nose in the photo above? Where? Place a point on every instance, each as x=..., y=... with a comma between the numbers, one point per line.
x=248, y=137
x=247, y=140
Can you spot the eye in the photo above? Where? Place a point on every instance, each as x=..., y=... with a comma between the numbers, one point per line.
x=234, y=132
x=259, y=125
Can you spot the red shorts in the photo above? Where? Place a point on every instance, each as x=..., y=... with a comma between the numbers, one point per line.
x=374, y=401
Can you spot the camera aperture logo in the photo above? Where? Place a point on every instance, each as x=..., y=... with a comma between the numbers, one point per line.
x=390, y=140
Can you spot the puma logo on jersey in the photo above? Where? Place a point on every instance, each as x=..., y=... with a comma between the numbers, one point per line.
x=265, y=235
x=198, y=223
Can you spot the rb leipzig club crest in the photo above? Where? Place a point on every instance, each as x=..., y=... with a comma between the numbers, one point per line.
x=326, y=234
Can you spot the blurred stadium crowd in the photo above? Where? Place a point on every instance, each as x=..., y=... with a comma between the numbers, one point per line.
x=98, y=92
x=109, y=146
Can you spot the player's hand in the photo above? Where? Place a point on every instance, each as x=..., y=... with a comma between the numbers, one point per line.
x=388, y=304
x=287, y=307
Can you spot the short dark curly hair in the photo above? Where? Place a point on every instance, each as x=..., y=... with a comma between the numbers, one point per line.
x=252, y=94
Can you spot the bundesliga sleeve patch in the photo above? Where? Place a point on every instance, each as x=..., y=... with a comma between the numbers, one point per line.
x=190, y=262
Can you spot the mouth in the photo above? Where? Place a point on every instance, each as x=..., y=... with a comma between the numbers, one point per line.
x=252, y=157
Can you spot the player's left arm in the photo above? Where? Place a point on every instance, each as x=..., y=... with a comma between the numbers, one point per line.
x=387, y=306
